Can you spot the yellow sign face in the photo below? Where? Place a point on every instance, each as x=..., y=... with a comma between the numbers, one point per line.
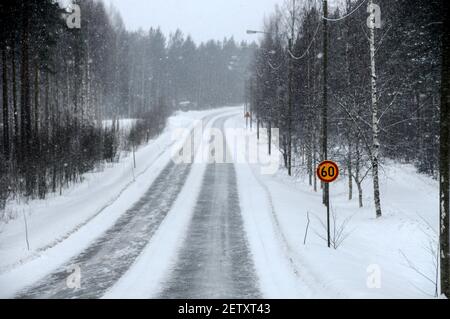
x=327, y=171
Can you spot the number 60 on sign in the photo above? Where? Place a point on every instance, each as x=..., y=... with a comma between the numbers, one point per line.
x=327, y=171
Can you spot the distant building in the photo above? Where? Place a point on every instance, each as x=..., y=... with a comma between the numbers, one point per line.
x=187, y=105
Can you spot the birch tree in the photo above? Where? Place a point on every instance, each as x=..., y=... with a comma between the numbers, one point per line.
x=375, y=119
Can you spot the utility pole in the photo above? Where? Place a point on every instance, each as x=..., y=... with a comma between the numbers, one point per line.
x=290, y=101
x=251, y=119
x=290, y=88
x=257, y=127
x=326, y=188
x=6, y=148
x=269, y=132
x=444, y=187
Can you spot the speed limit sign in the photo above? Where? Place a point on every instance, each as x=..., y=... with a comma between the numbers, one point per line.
x=327, y=171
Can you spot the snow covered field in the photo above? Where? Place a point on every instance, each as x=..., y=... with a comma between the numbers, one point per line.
x=378, y=258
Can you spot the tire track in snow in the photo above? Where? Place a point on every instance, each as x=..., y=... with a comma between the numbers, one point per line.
x=110, y=256
x=215, y=261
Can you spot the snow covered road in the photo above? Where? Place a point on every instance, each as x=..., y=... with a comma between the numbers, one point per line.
x=215, y=260
x=110, y=256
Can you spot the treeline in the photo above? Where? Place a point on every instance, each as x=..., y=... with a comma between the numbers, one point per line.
x=383, y=104
x=208, y=75
x=59, y=84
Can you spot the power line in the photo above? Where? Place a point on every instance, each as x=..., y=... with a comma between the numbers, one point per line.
x=274, y=68
x=346, y=16
x=317, y=30
x=309, y=46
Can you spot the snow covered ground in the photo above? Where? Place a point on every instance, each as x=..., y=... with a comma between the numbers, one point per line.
x=379, y=258
x=124, y=124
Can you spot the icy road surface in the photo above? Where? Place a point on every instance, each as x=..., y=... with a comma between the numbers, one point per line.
x=215, y=261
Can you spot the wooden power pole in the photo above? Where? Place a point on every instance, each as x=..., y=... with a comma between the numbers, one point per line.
x=444, y=245
x=326, y=188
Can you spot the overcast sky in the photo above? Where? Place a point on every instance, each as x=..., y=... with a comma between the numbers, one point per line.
x=202, y=19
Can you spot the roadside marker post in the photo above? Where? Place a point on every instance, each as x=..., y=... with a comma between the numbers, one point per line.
x=328, y=172
x=247, y=117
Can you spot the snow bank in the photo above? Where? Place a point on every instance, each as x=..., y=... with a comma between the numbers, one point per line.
x=376, y=260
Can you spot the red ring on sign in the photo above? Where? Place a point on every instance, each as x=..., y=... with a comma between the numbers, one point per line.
x=324, y=163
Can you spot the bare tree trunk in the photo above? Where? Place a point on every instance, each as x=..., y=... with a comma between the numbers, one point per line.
x=420, y=139
x=375, y=122
x=310, y=139
x=349, y=167
x=310, y=162
x=444, y=166
x=45, y=125
x=25, y=100
x=358, y=174
x=36, y=99
x=315, y=161
x=25, y=84
x=349, y=134
x=88, y=77
x=360, y=194
x=6, y=142
x=15, y=106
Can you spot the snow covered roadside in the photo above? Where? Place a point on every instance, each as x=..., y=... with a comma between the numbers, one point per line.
x=124, y=124
x=62, y=226
x=377, y=258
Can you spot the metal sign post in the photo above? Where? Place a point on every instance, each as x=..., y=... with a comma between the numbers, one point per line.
x=327, y=172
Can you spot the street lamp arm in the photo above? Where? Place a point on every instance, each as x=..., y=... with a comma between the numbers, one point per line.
x=256, y=32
